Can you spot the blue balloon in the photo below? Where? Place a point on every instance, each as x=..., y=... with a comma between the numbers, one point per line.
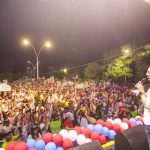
x=132, y=120
x=112, y=134
x=99, y=128
x=91, y=127
x=50, y=146
x=40, y=145
x=105, y=131
x=31, y=143
x=60, y=148
x=139, y=123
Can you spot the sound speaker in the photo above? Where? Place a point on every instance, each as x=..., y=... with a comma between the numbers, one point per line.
x=132, y=139
x=95, y=145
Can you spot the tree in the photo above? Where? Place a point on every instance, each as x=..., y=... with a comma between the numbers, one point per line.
x=119, y=68
x=93, y=71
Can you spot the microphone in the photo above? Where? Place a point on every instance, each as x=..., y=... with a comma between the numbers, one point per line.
x=143, y=81
x=135, y=90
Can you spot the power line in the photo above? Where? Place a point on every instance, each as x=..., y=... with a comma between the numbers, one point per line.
x=100, y=60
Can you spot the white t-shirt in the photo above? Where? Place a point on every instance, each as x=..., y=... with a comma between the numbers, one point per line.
x=147, y=109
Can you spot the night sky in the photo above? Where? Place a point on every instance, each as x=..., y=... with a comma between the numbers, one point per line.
x=80, y=30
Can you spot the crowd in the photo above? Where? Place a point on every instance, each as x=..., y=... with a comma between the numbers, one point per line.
x=32, y=108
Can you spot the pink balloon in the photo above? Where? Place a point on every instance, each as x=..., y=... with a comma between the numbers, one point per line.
x=58, y=139
x=67, y=144
x=48, y=137
x=86, y=132
x=11, y=145
x=78, y=130
x=21, y=146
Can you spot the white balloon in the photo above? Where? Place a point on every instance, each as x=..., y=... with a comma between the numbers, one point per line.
x=72, y=134
x=110, y=120
x=2, y=149
x=118, y=121
x=147, y=1
x=124, y=126
x=81, y=139
x=88, y=140
x=137, y=117
x=64, y=133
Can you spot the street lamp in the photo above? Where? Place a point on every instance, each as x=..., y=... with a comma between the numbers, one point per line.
x=37, y=53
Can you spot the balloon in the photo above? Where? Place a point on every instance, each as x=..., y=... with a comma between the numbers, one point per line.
x=133, y=121
x=126, y=121
x=137, y=117
x=39, y=138
x=110, y=120
x=86, y=132
x=58, y=139
x=112, y=134
x=139, y=123
x=99, y=128
x=101, y=122
x=50, y=146
x=2, y=149
x=102, y=139
x=32, y=149
x=88, y=140
x=21, y=146
x=91, y=127
x=109, y=125
x=48, y=137
x=60, y=148
x=124, y=126
x=105, y=131
x=67, y=144
x=116, y=128
x=10, y=145
x=94, y=136
x=31, y=143
x=140, y=119
x=72, y=135
x=118, y=121
x=40, y=145
x=81, y=139
x=132, y=125
x=78, y=130
x=64, y=133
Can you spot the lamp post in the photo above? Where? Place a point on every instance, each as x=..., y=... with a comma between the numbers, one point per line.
x=33, y=67
x=37, y=53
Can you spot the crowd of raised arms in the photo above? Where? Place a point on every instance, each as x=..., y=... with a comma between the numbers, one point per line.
x=32, y=108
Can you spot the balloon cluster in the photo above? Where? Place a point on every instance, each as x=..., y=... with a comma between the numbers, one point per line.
x=78, y=136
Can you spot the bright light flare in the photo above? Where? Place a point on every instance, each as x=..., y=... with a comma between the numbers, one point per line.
x=48, y=44
x=126, y=51
x=25, y=42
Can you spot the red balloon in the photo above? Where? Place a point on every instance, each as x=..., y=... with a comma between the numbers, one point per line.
x=58, y=139
x=21, y=146
x=67, y=144
x=78, y=130
x=102, y=139
x=101, y=122
x=116, y=128
x=140, y=119
x=109, y=125
x=11, y=145
x=86, y=132
x=48, y=137
x=94, y=136
x=39, y=138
